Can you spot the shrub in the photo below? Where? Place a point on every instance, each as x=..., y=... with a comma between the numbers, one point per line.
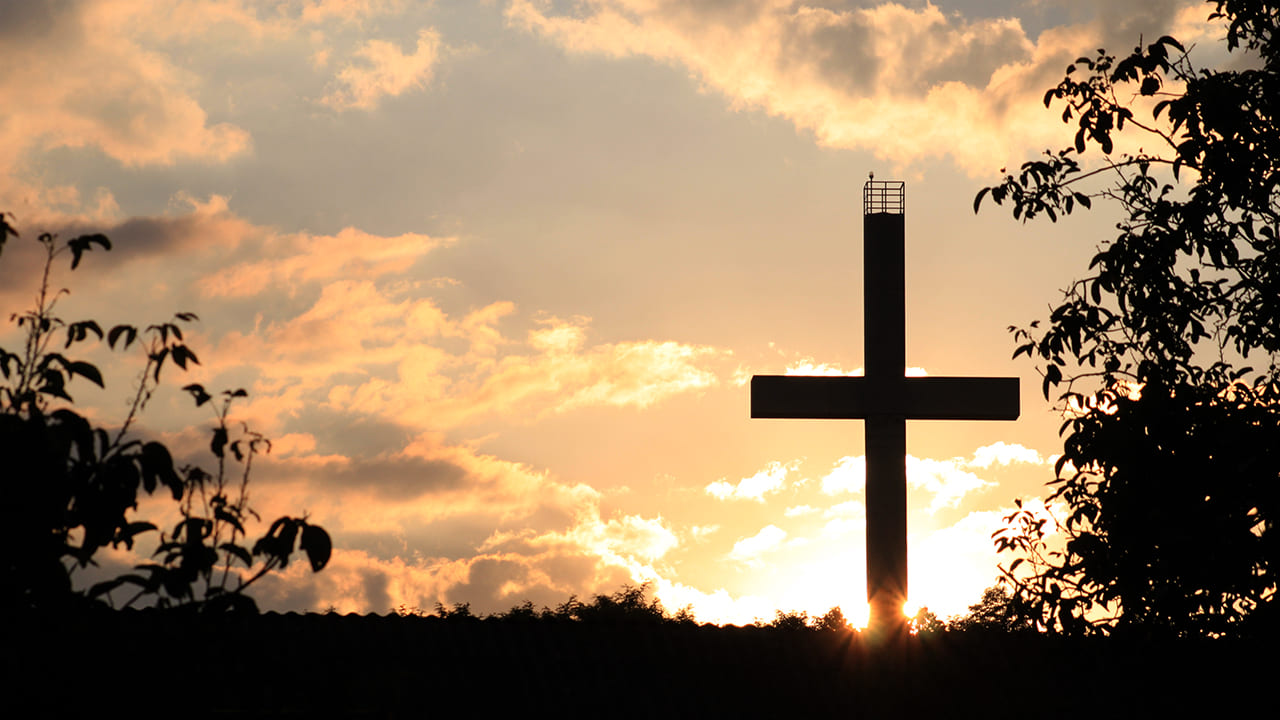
x=72, y=486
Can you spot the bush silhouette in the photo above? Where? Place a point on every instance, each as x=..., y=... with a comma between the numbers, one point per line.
x=71, y=486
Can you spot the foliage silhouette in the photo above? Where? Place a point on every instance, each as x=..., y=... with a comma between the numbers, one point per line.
x=833, y=621
x=925, y=622
x=994, y=612
x=1172, y=443
x=790, y=621
x=73, y=486
x=630, y=605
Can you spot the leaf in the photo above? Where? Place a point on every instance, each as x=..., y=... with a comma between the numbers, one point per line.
x=80, y=431
x=318, y=546
x=157, y=467
x=219, y=442
x=52, y=384
x=83, y=243
x=127, y=533
x=180, y=356
x=198, y=392
x=232, y=520
x=238, y=552
x=977, y=200
x=79, y=331
x=1168, y=40
x=1052, y=376
x=288, y=537
x=158, y=359
x=86, y=371
x=130, y=333
x=269, y=544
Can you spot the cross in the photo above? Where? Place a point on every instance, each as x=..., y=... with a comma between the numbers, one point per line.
x=885, y=399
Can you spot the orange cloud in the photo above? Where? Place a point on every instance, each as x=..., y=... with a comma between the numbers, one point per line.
x=770, y=479
x=904, y=83
x=505, y=535
x=102, y=88
x=105, y=76
x=384, y=71
x=302, y=258
x=849, y=475
x=944, y=480
x=353, y=326
x=749, y=549
x=1002, y=453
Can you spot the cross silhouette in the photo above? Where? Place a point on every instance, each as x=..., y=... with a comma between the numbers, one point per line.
x=885, y=399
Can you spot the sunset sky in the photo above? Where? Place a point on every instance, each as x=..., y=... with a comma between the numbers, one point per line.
x=496, y=274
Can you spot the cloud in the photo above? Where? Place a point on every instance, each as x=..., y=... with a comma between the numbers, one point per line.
x=717, y=606
x=302, y=258
x=496, y=376
x=350, y=11
x=201, y=226
x=102, y=88
x=384, y=71
x=700, y=533
x=905, y=83
x=841, y=526
x=770, y=479
x=948, y=481
x=633, y=536
x=847, y=509
x=807, y=366
x=944, y=479
x=750, y=549
x=493, y=532
x=848, y=476
x=360, y=336
x=1003, y=453
x=126, y=80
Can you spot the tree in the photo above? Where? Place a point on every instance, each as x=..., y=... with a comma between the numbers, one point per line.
x=995, y=611
x=833, y=620
x=1170, y=470
x=71, y=488
x=925, y=622
x=627, y=605
x=791, y=621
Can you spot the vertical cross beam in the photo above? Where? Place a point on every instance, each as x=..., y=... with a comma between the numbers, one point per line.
x=884, y=360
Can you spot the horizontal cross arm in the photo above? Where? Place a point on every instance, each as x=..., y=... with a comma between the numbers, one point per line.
x=916, y=398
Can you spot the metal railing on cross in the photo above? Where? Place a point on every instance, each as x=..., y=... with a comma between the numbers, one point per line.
x=884, y=196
